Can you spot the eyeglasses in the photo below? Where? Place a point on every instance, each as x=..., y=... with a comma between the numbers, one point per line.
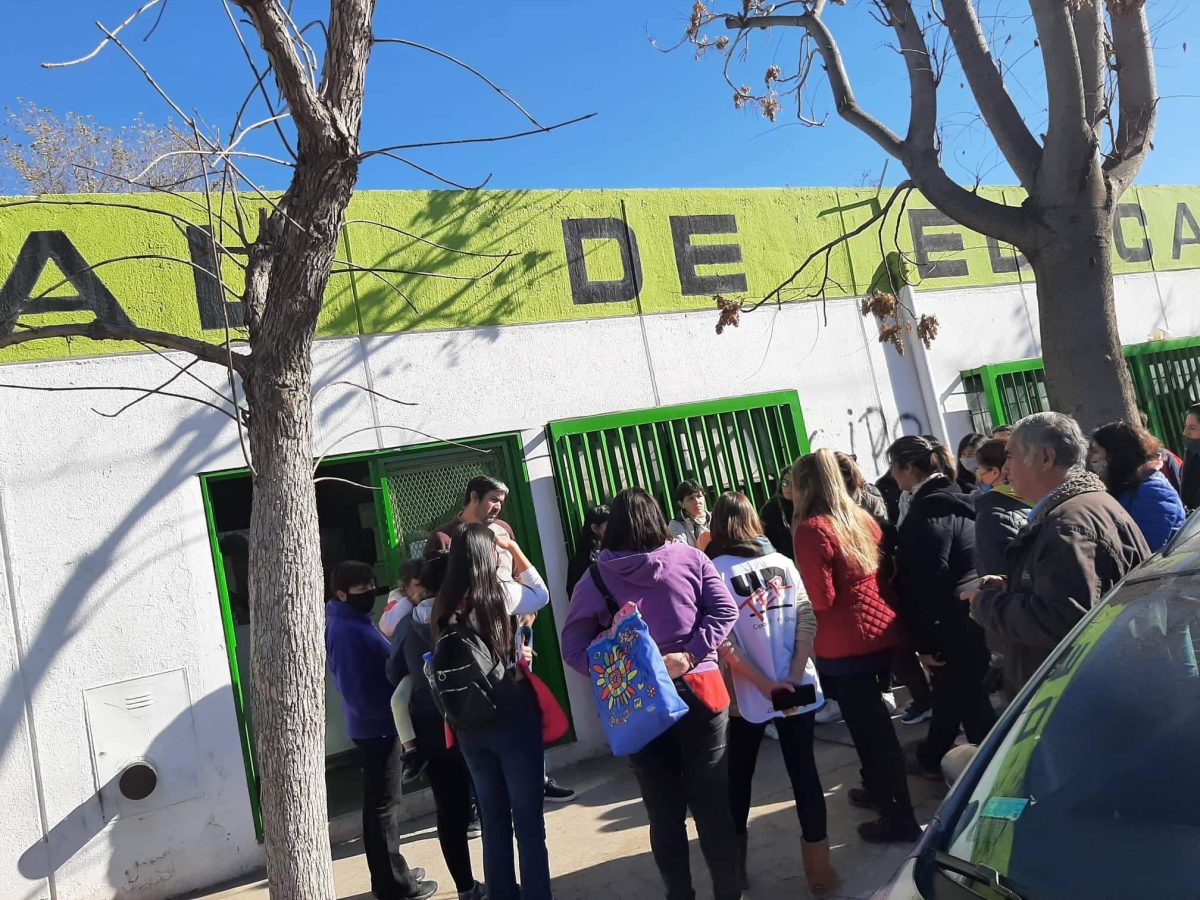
x=787, y=482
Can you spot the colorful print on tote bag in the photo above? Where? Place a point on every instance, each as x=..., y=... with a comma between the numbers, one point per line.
x=634, y=695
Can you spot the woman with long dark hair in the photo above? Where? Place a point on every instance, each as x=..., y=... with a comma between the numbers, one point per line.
x=445, y=767
x=776, y=516
x=769, y=654
x=840, y=554
x=1127, y=461
x=591, y=537
x=689, y=613
x=505, y=756
x=935, y=559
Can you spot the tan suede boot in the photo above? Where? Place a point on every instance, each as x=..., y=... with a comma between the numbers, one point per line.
x=818, y=870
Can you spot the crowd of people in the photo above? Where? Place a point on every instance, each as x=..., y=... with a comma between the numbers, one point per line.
x=955, y=575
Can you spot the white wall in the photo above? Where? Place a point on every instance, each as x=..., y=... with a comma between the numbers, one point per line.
x=107, y=573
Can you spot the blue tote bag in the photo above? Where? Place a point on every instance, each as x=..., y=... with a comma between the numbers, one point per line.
x=634, y=696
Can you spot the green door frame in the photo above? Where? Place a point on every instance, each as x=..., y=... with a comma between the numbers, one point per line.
x=519, y=513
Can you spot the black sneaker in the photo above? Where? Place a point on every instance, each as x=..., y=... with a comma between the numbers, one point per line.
x=890, y=831
x=862, y=798
x=916, y=713
x=475, y=893
x=412, y=766
x=423, y=891
x=557, y=794
x=918, y=769
x=474, y=827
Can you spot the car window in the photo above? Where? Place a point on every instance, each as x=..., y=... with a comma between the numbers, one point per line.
x=1094, y=790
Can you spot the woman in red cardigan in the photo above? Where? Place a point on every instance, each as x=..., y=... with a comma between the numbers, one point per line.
x=839, y=551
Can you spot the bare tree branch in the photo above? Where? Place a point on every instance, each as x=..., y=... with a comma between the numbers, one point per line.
x=1137, y=91
x=97, y=387
x=432, y=174
x=458, y=62
x=416, y=237
x=1092, y=43
x=1003, y=119
x=317, y=393
x=99, y=331
x=104, y=43
x=1070, y=143
x=481, y=140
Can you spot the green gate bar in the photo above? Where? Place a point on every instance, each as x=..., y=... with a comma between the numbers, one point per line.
x=671, y=444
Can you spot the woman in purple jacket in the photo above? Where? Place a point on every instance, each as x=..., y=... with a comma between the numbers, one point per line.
x=689, y=612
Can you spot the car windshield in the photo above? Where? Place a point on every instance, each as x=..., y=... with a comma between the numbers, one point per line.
x=1095, y=790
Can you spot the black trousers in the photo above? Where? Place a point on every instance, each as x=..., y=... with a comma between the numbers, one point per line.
x=796, y=742
x=451, y=785
x=909, y=672
x=879, y=752
x=687, y=767
x=959, y=699
x=391, y=878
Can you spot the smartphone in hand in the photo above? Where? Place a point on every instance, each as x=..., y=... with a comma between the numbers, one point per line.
x=801, y=695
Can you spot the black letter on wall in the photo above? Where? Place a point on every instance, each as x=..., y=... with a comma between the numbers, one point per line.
x=583, y=289
x=215, y=310
x=1004, y=259
x=925, y=244
x=689, y=255
x=1183, y=215
x=1127, y=253
x=39, y=248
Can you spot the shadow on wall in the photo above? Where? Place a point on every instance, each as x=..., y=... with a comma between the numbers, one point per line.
x=133, y=809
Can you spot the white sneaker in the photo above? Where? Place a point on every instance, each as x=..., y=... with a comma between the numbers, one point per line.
x=830, y=712
x=771, y=731
x=889, y=700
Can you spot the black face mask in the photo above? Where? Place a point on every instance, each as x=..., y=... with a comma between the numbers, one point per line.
x=363, y=603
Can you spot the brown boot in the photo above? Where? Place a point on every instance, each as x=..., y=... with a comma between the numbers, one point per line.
x=818, y=870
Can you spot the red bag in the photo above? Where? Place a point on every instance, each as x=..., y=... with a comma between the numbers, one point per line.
x=554, y=720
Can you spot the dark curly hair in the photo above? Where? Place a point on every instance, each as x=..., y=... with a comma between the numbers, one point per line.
x=1128, y=449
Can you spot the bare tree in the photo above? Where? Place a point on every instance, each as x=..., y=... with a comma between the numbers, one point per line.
x=48, y=153
x=284, y=249
x=1101, y=109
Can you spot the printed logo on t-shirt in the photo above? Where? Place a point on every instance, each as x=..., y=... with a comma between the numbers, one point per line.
x=763, y=589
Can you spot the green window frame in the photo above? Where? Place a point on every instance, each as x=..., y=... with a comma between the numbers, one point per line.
x=1165, y=374
x=507, y=450
x=739, y=443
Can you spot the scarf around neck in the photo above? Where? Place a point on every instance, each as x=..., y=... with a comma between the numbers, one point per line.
x=1077, y=482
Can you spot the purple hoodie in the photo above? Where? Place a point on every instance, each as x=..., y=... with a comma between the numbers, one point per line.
x=682, y=598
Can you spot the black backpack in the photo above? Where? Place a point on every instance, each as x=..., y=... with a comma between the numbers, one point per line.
x=464, y=676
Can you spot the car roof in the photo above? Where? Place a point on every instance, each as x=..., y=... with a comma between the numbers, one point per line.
x=1181, y=556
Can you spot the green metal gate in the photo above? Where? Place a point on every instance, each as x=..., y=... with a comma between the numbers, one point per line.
x=1166, y=381
x=737, y=444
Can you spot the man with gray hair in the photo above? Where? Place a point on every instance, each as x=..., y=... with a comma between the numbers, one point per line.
x=1079, y=543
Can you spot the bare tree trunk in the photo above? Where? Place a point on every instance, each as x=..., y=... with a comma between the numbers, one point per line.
x=1085, y=369
x=287, y=624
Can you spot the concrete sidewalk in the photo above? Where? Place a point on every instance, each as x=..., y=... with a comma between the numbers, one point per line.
x=599, y=845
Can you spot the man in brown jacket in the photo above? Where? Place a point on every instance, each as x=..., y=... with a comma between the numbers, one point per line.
x=1079, y=543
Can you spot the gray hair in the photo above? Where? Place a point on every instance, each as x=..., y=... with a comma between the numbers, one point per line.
x=1053, y=431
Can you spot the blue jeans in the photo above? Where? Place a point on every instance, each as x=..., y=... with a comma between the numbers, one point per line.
x=507, y=767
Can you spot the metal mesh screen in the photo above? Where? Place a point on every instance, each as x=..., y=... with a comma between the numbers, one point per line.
x=426, y=495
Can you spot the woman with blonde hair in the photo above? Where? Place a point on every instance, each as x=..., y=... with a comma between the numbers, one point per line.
x=842, y=560
x=769, y=655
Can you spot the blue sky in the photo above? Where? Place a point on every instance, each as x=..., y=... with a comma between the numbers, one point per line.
x=663, y=120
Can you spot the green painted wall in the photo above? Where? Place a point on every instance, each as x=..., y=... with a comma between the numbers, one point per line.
x=758, y=237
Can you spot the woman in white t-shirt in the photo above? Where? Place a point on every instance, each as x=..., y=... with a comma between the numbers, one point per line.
x=769, y=655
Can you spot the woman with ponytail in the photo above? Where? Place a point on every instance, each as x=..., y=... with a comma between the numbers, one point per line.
x=935, y=559
x=839, y=551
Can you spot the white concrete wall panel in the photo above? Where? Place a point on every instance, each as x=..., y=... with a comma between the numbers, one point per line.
x=111, y=570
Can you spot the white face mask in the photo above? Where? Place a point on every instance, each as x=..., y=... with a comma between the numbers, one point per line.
x=970, y=464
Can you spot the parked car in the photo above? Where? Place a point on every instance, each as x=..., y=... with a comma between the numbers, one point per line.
x=1089, y=785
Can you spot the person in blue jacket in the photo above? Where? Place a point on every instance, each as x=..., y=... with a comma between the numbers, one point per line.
x=357, y=656
x=1127, y=460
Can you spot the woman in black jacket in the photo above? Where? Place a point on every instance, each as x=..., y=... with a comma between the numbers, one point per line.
x=776, y=517
x=999, y=513
x=934, y=559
